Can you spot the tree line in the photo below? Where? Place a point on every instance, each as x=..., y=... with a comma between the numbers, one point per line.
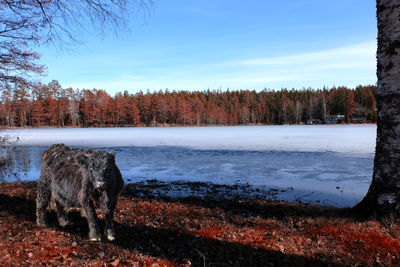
x=53, y=106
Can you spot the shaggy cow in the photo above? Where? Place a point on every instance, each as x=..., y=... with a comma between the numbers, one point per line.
x=75, y=177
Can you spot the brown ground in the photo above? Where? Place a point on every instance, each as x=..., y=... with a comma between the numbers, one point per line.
x=199, y=232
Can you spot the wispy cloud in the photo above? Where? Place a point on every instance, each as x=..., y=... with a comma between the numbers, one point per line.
x=348, y=65
x=347, y=56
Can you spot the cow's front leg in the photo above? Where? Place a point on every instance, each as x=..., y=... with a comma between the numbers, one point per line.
x=42, y=200
x=109, y=207
x=94, y=233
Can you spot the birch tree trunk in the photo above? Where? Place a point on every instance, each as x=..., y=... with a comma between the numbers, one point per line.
x=383, y=197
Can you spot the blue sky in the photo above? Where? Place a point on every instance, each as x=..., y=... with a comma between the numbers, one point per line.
x=196, y=45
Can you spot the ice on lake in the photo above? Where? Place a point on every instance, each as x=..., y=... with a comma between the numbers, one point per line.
x=328, y=164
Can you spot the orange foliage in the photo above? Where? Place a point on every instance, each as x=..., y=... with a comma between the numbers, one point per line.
x=51, y=105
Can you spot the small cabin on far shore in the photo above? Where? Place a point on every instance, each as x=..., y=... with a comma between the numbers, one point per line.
x=335, y=119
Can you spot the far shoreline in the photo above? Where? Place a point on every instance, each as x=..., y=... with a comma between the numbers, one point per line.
x=179, y=126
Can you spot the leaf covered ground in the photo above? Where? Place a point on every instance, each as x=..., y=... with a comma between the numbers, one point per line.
x=194, y=231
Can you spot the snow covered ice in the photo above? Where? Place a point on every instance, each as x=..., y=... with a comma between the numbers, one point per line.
x=359, y=139
x=327, y=164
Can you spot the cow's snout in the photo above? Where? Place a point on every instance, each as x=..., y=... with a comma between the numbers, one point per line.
x=100, y=185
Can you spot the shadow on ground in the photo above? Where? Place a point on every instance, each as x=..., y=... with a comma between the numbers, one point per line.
x=179, y=246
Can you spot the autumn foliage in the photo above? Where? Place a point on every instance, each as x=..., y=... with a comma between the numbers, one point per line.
x=53, y=106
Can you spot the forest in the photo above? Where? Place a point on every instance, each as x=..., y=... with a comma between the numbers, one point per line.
x=53, y=106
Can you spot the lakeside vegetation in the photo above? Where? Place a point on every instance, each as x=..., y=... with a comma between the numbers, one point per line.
x=53, y=106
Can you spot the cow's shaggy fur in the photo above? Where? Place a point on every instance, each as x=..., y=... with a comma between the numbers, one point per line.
x=75, y=177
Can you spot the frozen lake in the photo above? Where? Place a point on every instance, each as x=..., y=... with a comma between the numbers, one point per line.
x=327, y=164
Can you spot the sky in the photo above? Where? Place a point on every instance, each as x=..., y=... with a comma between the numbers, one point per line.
x=226, y=44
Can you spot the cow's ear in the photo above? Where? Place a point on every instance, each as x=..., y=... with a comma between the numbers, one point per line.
x=83, y=159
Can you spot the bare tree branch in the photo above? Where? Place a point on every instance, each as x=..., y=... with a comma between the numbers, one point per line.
x=27, y=24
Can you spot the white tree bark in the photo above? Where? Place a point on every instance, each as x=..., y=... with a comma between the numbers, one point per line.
x=383, y=197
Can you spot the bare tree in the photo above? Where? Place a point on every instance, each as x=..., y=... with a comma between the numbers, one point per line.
x=383, y=197
x=26, y=24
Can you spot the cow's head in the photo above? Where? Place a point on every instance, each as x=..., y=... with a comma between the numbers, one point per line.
x=101, y=165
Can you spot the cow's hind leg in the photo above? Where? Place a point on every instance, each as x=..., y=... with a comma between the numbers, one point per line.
x=42, y=200
x=92, y=221
x=61, y=214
